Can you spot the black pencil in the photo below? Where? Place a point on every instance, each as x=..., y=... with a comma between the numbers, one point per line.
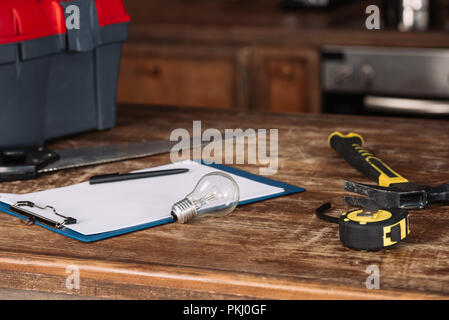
x=116, y=177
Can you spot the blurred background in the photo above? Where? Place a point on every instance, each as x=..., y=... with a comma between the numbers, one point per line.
x=293, y=56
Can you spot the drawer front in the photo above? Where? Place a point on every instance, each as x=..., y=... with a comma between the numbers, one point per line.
x=180, y=77
x=286, y=80
x=286, y=86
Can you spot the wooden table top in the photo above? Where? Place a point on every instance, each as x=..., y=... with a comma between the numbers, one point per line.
x=271, y=249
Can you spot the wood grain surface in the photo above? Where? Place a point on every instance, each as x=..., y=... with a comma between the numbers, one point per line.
x=274, y=249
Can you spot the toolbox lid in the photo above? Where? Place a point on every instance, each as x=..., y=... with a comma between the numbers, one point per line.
x=108, y=11
x=111, y=12
x=22, y=20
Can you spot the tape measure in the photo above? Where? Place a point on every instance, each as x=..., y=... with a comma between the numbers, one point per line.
x=369, y=229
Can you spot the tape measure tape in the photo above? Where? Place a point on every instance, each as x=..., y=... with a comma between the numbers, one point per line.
x=369, y=229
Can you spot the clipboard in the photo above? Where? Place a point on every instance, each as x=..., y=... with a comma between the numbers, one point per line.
x=287, y=189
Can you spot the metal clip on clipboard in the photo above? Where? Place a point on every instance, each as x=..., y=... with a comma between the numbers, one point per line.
x=34, y=217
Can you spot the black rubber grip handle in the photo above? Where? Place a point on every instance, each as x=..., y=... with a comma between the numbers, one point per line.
x=350, y=147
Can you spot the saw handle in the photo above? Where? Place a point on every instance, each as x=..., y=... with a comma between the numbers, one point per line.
x=350, y=147
x=24, y=163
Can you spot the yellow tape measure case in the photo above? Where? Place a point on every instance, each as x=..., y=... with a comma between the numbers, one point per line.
x=363, y=230
x=369, y=229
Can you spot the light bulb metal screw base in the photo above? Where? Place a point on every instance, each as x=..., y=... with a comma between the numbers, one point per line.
x=183, y=211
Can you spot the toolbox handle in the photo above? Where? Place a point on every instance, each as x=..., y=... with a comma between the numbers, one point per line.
x=350, y=147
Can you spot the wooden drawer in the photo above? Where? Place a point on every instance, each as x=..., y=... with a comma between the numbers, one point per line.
x=184, y=76
x=285, y=80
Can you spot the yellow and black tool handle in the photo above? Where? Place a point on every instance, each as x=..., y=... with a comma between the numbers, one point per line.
x=350, y=147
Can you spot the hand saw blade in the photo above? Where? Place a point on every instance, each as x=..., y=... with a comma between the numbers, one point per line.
x=81, y=157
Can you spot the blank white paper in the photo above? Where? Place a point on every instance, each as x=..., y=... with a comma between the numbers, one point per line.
x=112, y=206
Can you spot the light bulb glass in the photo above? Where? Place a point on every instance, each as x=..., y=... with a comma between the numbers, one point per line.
x=215, y=194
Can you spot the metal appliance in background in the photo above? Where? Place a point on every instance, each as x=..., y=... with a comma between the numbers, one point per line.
x=386, y=81
x=295, y=4
x=413, y=15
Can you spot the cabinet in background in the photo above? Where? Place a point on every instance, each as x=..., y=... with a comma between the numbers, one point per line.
x=285, y=80
x=221, y=77
x=178, y=75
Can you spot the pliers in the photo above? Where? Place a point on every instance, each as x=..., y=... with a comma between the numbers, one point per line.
x=393, y=191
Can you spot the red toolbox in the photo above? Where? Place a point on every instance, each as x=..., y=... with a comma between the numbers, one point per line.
x=59, y=66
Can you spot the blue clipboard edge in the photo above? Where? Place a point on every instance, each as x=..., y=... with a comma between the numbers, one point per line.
x=289, y=189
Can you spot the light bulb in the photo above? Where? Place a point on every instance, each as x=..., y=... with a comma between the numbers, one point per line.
x=215, y=194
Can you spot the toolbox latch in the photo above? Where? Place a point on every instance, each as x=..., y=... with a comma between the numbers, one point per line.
x=85, y=35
